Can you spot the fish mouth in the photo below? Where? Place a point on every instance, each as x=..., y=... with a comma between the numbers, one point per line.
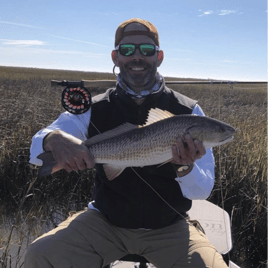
x=230, y=138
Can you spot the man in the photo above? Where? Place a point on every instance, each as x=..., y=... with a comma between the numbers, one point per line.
x=126, y=215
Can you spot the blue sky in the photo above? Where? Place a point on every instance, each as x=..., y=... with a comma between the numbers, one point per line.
x=218, y=39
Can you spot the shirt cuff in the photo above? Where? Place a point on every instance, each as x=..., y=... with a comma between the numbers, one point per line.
x=196, y=185
x=37, y=146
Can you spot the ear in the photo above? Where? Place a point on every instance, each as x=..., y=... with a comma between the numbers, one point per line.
x=160, y=57
x=115, y=58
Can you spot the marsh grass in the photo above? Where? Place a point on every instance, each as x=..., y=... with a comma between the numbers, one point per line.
x=29, y=206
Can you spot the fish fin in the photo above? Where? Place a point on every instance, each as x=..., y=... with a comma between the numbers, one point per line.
x=167, y=161
x=111, y=133
x=112, y=171
x=49, y=164
x=156, y=115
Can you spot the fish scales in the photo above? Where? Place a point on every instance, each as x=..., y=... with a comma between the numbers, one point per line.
x=148, y=145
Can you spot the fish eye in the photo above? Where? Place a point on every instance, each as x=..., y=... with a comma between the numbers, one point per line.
x=220, y=129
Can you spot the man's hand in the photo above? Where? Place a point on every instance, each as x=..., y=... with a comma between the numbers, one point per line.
x=69, y=152
x=187, y=150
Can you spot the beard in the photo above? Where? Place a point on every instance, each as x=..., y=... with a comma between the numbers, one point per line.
x=138, y=80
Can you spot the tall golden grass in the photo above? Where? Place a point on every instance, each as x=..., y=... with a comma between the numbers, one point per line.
x=30, y=206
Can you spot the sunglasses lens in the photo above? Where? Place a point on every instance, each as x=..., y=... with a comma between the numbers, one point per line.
x=127, y=49
x=147, y=49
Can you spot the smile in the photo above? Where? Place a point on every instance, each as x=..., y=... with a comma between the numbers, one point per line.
x=137, y=69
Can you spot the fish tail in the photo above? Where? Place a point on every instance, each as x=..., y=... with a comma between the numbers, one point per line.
x=49, y=164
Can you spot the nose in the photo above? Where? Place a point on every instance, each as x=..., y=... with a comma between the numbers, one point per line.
x=137, y=54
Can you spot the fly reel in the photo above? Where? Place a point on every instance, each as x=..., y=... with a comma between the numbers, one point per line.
x=75, y=98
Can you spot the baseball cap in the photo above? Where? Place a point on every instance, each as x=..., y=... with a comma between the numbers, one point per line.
x=151, y=31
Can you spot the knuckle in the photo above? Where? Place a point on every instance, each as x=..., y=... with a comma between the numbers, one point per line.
x=192, y=150
x=67, y=168
x=73, y=165
x=65, y=165
x=81, y=167
x=188, y=137
x=197, y=142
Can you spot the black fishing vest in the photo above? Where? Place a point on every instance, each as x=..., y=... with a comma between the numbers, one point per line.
x=127, y=201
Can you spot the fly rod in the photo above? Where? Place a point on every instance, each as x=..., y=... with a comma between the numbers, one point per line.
x=76, y=97
x=111, y=83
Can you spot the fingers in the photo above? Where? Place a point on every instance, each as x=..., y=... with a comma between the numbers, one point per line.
x=200, y=149
x=184, y=153
x=89, y=160
x=82, y=161
x=68, y=151
x=75, y=158
x=69, y=167
x=76, y=163
x=191, y=148
x=176, y=154
x=187, y=150
x=71, y=164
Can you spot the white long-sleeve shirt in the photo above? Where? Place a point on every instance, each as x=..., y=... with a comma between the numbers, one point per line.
x=198, y=184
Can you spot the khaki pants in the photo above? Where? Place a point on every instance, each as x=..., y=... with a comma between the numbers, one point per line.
x=88, y=240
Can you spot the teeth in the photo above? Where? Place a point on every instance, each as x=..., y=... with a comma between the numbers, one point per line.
x=137, y=69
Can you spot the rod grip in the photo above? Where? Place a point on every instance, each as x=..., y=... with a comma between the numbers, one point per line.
x=64, y=83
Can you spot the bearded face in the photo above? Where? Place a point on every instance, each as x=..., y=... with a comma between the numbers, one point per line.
x=137, y=71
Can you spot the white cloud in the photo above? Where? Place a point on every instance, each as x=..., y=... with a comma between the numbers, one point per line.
x=22, y=42
x=205, y=13
x=208, y=12
x=224, y=12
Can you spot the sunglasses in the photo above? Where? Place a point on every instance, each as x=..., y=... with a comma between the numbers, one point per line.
x=129, y=49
